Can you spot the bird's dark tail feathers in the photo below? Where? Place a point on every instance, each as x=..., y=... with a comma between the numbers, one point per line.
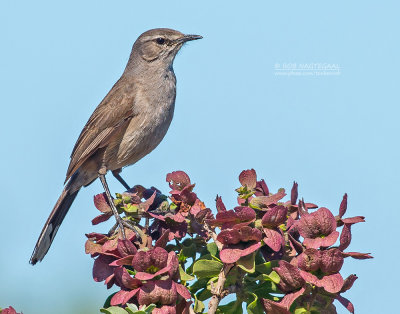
x=54, y=221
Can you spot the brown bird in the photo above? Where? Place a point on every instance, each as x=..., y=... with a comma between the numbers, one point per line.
x=126, y=126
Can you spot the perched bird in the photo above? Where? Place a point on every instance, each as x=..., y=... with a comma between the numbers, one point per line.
x=127, y=125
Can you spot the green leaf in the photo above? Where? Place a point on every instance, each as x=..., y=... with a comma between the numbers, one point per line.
x=247, y=262
x=114, y=310
x=212, y=248
x=184, y=276
x=206, y=256
x=198, y=285
x=189, y=269
x=204, y=295
x=107, y=303
x=255, y=306
x=232, y=277
x=130, y=208
x=301, y=310
x=134, y=312
x=149, y=309
x=259, y=258
x=189, y=251
x=265, y=268
x=234, y=307
x=126, y=199
x=264, y=289
x=273, y=276
x=132, y=307
x=207, y=268
x=198, y=305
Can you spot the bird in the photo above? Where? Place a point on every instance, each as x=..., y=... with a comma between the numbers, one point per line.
x=128, y=124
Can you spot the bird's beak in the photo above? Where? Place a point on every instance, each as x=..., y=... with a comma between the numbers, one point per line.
x=186, y=38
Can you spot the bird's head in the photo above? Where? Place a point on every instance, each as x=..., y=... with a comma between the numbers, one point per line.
x=159, y=45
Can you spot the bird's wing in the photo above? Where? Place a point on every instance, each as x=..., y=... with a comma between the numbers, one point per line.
x=113, y=113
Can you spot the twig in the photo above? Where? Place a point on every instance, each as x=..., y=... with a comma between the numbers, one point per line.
x=218, y=291
x=213, y=236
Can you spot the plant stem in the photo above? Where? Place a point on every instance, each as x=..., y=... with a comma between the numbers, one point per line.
x=217, y=291
x=213, y=236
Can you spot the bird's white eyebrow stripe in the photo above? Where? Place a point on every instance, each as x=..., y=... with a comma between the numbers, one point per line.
x=152, y=37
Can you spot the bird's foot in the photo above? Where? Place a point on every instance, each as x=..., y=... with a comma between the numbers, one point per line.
x=122, y=224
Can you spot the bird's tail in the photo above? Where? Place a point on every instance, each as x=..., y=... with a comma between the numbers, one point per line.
x=55, y=219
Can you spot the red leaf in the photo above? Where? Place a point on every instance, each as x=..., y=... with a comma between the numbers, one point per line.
x=178, y=180
x=274, y=239
x=163, y=240
x=122, y=297
x=9, y=310
x=289, y=298
x=148, y=276
x=348, y=283
x=291, y=278
x=101, y=203
x=345, y=237
x=321, y=242
x=332, y=283
x=125, y=280
x=229, y=236
x=353, y=220
x=220, y=205
x=294, y=193
x=126, y=247
x=101, y=268
x=346, y=303
x=343, y=206
x=261, y=188
x=92, y=248
x=331, y=261
x=250, y=248
x=158, y=292
x=100, y=218
x=266, y=201
x=127, y=260
x=146, y=204
x=230, y=254
x=309, y=260
x=110, y=280
x=274, y=216
x=357, y=255
x=233, y=252
x=248, y=178
x=274, y=307
x=183, y=291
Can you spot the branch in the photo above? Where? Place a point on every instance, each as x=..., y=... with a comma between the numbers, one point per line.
x=213, y=236
x=218, y=291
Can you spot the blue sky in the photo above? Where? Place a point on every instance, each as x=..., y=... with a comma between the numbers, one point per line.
x=331, y=133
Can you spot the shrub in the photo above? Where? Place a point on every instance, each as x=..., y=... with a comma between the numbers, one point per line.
x=276, y=256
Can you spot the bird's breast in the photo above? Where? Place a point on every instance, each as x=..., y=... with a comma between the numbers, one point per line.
x=154, y=113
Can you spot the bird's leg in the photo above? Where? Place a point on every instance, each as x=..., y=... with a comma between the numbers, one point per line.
x=116, y=174
x=120, y=221
x=112, y=230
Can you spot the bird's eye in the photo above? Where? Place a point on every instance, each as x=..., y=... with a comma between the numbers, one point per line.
x=160, y=40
